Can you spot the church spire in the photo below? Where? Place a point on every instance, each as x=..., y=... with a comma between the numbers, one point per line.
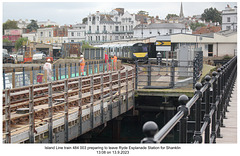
x=181, y=12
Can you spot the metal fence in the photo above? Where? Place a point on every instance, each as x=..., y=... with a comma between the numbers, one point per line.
x=214, y=96
x=93, y=53
x=169, y=73
x=60, y=71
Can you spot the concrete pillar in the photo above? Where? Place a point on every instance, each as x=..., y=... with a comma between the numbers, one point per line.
x=86, y=138
x=116, y=129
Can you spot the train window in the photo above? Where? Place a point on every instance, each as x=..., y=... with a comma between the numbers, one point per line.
x=140, y=49
x=144, y=48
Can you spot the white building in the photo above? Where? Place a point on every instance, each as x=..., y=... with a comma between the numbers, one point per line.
x=77, y=33
x=46, y=35
x=46, y=23
x=116, y=25
x=229, y=18
x=32, y=36
x=156, y=29
x=22, y=24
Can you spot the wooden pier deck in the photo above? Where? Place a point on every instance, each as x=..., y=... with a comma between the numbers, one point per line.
x=229, y=132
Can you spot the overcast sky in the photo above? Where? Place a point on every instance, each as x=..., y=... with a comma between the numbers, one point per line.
x=72, y=12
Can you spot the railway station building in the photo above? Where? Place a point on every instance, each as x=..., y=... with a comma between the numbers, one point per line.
x=213, y=45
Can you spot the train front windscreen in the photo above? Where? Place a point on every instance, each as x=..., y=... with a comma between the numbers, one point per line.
x=140, y=51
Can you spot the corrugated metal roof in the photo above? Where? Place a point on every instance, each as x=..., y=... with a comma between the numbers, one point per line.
x=227, y=32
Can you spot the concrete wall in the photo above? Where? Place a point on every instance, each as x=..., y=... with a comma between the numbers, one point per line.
x=222, y=44
x=226, y=49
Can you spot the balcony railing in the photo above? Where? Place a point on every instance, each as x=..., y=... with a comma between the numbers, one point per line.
x=98, y=42
x=104, y=31
x=122, y=32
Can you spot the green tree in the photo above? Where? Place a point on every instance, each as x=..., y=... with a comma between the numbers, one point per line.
x=194, y=26
x=5, y=40
x=21, y=42
x=212, y=14
x=171, y=16
x=33, y=25
x=10, y=25
x=84, y=20
x=86, y=45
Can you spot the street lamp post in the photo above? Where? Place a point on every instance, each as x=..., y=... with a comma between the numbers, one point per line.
x=159, y=59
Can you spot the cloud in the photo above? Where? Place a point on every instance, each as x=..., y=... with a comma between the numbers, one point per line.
x=71, y=12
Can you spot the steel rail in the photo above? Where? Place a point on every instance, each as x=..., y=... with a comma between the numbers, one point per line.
x=168, y=127
x=14, y=90
x=42, y=111
x=58, y=87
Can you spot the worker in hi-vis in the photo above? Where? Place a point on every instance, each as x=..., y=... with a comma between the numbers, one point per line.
x=82, y=64
x=48, y=68
x=115, y=62
x=106, y=57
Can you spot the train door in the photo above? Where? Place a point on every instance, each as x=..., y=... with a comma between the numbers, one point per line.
x=111, y=52
x=152, y=53
x=118, y=51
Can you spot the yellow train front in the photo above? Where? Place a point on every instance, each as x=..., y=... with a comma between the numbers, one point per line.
x=140, y=51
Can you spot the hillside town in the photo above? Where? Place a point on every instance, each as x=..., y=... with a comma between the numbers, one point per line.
x=120, y=25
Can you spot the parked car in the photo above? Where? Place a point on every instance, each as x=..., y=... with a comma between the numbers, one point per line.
x=39, y=57
x=20, y=55
x=6, y=57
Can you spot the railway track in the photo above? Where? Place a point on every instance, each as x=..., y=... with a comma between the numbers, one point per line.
x=41, y=94
x=60, y=96
x=41, y=89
